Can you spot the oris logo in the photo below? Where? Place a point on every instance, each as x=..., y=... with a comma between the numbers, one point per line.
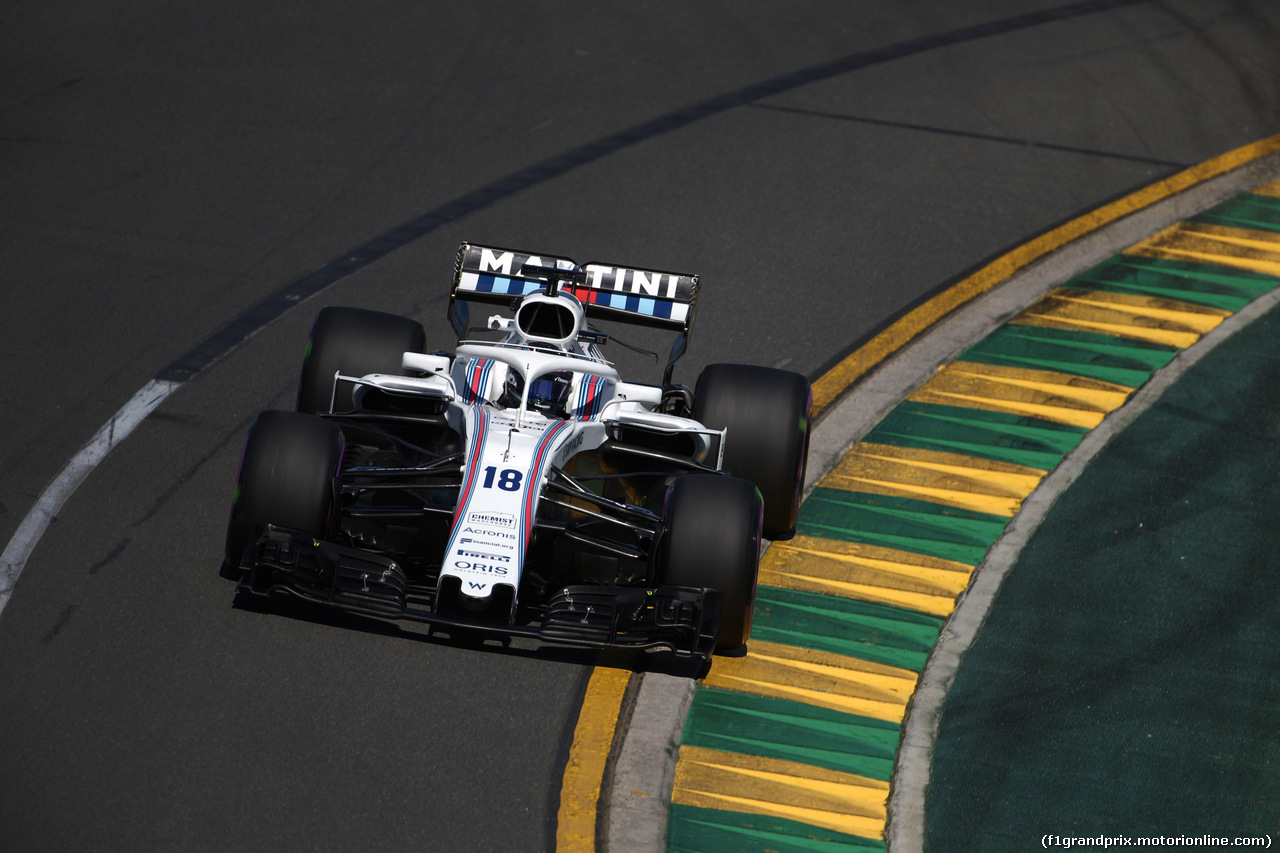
x=482, y=568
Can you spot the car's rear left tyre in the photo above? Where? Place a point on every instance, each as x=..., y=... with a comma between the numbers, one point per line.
x=286, y=478
x=355, y=342
x=713, y=540
x=766, y=412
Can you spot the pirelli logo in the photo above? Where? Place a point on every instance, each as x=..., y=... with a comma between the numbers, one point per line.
x=480, y=555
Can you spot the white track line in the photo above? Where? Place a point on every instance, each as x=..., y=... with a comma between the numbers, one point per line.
x=46, y=509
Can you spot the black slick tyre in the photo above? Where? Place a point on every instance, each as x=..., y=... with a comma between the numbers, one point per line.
x=354, y=342
x=713, y=541
x=766, y=413
x=286, y=478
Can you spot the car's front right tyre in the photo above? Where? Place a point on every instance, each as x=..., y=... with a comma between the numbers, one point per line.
x=286, y=478
x=713, y=540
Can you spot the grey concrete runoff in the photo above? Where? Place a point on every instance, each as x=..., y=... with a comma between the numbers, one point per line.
x=640, y=779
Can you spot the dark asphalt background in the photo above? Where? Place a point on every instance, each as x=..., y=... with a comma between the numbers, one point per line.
x=165, y=167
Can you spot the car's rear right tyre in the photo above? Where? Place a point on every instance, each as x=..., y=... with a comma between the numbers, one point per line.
x=713, y=540
x=354, y=342
x=286, y=478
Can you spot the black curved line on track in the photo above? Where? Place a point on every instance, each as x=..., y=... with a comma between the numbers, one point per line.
x=981, y=137
x=240, y=328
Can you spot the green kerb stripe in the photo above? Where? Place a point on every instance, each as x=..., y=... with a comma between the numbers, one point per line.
x=1125, y=362
x=694, y=830
x=880, y=633
x=976, y=432
x=1199, y=284
x=791, y=731
x=908, y=525
x=1258, y=212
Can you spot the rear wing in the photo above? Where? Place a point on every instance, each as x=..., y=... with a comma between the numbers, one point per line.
x=655, y=298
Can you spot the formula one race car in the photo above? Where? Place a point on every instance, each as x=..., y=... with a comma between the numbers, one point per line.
x=520, y=486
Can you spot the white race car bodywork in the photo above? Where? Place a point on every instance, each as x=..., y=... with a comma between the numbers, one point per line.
x=509, y=449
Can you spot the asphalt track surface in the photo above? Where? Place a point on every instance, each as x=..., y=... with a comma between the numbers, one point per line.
x=176, y=179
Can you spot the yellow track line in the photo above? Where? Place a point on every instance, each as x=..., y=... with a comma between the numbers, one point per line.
x=588, y=758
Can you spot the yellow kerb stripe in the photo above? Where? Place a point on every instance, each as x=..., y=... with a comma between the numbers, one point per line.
x=865, y=572
x=1143, y=318
x=1058, y=397
x=843, y=802
x=1239, y=248
x=818, y=678
x=951, y=479
x=1271, y=189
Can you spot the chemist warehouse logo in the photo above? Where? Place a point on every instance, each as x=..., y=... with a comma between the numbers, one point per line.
x=492, y=519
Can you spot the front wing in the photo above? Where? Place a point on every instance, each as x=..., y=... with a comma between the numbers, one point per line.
x=681, y=619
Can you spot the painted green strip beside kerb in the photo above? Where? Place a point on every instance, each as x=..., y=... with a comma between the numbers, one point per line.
x=909, y=525
x=1256, y=212
x=975, y=432
x=695, y=830
x=791, y=731
x=1210, y=285
x=1125, y=671
x=879, y=633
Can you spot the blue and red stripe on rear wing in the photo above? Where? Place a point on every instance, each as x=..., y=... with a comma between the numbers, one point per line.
x=645, y=297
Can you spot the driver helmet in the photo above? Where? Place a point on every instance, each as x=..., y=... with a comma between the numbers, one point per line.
x=512, y=388
x=549, y=392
